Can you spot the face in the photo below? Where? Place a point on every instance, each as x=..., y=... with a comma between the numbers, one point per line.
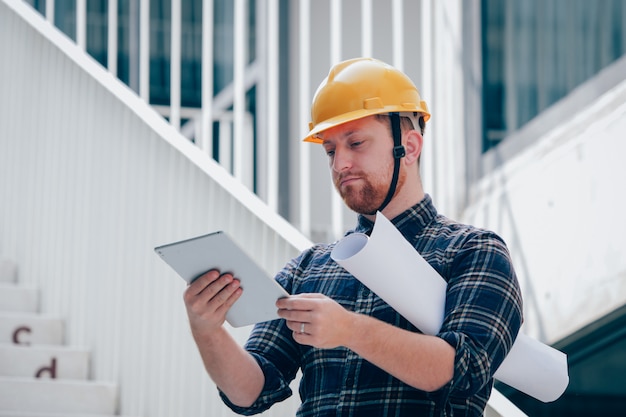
x=361, y=162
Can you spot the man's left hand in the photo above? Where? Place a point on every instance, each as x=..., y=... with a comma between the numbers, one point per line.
x=316, y=320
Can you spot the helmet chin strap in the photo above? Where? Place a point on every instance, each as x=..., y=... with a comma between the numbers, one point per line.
x=398, y=153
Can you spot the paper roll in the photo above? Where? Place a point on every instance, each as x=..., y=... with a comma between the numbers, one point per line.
x=418, y=293
x=421, y=301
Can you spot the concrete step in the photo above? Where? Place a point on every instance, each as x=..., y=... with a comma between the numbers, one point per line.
x=31, y=329
x=28, y=395
x=18, y=298
x=8, y=271
x=55, y=362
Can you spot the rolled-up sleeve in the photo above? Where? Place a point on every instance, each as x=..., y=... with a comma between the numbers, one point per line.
x=483, y=311
x=276, y=389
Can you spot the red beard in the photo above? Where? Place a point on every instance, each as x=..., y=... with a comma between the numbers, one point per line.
x=365, y=197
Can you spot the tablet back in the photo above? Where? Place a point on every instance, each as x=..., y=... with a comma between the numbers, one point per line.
x=191, y=258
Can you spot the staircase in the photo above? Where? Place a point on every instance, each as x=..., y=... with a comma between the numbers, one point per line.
x=39, y=375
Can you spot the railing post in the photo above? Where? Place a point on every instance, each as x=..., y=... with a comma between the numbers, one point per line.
x=175, y=46
x=240, y=36
x=206, y=123
x=335, y=57
x=304, y=88
x=112, y=37
x=144, y=49
x=81, y=24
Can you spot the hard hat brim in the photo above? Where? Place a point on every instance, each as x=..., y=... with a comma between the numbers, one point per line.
x=355, y=115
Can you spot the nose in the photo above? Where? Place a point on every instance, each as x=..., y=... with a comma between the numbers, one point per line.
x=341, y=160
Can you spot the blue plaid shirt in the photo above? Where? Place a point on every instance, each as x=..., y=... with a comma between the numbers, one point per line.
x=482, y=317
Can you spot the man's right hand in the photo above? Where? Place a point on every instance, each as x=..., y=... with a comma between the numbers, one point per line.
x=209, y=298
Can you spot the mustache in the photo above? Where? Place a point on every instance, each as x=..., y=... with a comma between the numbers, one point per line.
x=351, y=174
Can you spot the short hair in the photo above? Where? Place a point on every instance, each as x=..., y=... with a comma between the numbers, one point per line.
x=408, y=121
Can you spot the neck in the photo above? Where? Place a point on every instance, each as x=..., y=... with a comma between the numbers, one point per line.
x=399, y=204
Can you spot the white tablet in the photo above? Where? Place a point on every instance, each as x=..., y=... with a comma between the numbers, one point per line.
x=191, y=258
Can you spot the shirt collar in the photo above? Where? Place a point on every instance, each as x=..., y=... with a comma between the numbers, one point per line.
x=410, y=222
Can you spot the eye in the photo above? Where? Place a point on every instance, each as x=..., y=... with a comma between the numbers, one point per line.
x=356, y=144
x=330, y=153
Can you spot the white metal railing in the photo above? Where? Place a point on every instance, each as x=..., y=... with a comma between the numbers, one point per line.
x=317, y=210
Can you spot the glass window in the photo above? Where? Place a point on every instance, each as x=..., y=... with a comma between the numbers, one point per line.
x=536, y=51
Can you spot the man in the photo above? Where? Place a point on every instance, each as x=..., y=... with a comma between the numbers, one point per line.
x=357, y=355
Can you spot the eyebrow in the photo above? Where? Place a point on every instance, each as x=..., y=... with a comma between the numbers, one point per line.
x=345, y=135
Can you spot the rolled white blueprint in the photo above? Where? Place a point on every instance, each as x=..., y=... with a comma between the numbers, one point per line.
x=418, y=293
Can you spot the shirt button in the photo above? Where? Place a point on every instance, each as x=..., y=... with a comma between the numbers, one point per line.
x=350, y=381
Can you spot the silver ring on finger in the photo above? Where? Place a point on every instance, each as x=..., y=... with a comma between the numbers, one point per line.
x=301, y=327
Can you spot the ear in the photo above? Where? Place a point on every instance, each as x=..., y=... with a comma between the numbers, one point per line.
x=413, y=146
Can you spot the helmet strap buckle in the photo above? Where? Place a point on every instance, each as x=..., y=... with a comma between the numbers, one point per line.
x=399, y=152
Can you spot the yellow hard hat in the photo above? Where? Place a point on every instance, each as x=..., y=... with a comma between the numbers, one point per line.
x=361, y=87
